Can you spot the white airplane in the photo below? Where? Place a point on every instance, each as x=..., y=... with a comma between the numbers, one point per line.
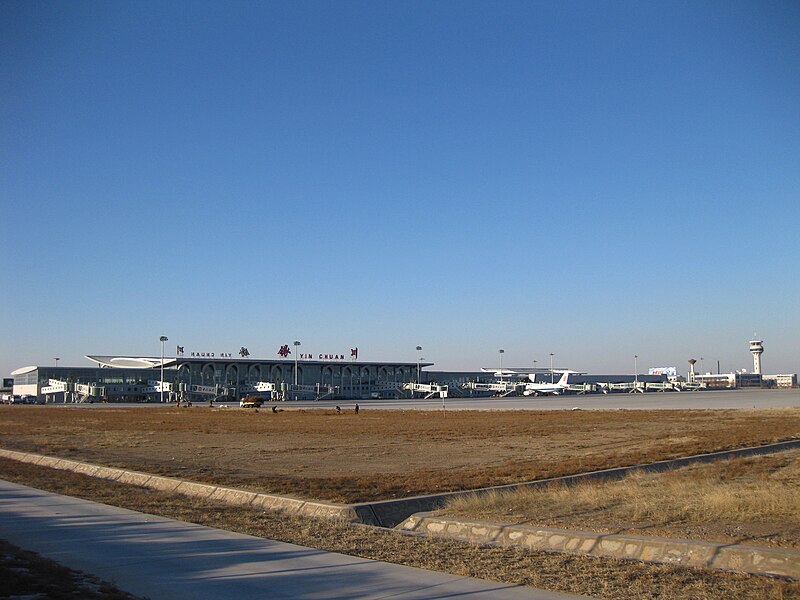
x=506, y=373
x=556, y=388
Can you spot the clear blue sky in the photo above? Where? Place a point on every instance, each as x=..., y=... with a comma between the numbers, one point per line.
x=592, y=179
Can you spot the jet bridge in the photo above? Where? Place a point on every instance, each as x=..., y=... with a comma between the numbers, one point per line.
x=290, y=391
x=56, y=386
x=429, y=389
x=689, y=386
x=582, y=388
x=386, y=389
x=501, y=388
x=261, y=387
x=75, y=392
x=632, y=387
x=88, y=392
x=661, y=386
x=206, y=390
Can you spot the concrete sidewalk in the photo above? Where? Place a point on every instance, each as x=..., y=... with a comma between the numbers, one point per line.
x=161, y=558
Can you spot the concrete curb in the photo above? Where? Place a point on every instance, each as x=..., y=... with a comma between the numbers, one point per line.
x=727, y=557
x=190, y=488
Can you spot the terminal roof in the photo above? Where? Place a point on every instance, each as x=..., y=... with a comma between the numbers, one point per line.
x=146, y=362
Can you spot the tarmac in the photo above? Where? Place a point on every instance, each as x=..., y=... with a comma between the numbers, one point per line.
x=703, y=399
x=161, y=558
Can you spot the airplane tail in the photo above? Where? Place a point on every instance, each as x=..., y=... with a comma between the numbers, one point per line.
x=564, y=377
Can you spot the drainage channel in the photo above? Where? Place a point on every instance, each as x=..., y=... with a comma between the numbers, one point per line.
x=390, y=513
x=384, y=513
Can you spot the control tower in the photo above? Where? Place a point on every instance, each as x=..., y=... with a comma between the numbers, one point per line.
x=756, y=349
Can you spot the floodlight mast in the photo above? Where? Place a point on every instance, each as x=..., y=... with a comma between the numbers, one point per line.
x=501, y=352
x=162, y=339
x=295, y=344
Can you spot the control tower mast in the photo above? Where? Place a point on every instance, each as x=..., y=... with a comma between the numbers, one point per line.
x=756, y=349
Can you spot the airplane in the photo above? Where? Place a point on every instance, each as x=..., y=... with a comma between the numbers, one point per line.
x=556, y=388
x=505, y=373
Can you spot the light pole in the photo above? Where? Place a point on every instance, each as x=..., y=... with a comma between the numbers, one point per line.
x=636, y=369
x=296, y=344
x=57, y=358
x=501, y=352
x=163, y=339
x=534, y=369
x=702, y=371
x=419, y=349
x=551, y=367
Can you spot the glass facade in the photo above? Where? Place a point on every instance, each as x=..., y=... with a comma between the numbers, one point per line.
x=100, y=376
x=26, y=378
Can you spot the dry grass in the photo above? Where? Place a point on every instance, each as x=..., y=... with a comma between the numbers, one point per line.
x=318, y=454
x=751, y=499
x=25, y=574
x=596, y=577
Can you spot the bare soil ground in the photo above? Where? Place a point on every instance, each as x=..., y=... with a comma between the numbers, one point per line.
x=752, y=500
x=591, y=576
x=318, y=454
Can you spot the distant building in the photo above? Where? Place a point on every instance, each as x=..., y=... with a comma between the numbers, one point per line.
x=6, y=391
x=786, y=380
x=729, y=380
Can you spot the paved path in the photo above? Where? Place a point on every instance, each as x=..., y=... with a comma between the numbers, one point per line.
x=166, y=559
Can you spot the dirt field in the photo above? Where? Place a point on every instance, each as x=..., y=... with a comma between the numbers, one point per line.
x=378, y=454
x=753, y=501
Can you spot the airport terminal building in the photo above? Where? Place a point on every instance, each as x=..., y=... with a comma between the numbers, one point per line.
x=200, y=377
x=204, y=376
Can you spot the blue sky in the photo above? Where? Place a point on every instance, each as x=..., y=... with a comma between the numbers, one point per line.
x=592, y=179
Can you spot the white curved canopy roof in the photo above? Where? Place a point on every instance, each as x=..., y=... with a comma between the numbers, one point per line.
x=129, y=362
x=23, y=370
